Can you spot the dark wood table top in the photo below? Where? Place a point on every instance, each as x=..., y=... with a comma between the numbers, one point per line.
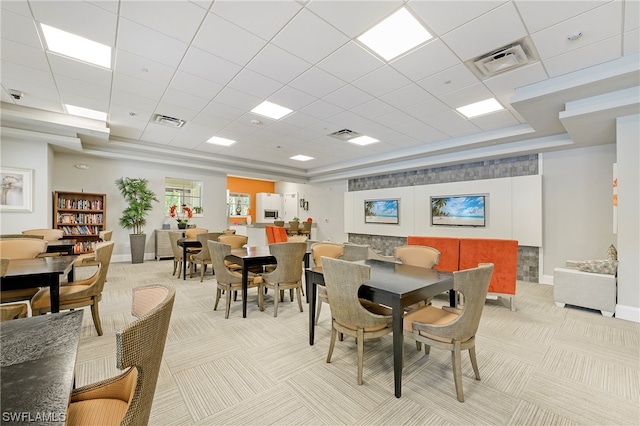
x=40, y=266
x=63, y=242
x=37, y=367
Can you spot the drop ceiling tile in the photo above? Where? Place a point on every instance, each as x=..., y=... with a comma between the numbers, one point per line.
x=317, y=82
x=212, y=122
x=505, y=100
x=538, y=15
x=122, y=114
x=426, y=108
x=248, y=81
x=422, y=132
x=395, y=118
x=631, y=42
x=350, y=62
x=159, y=134
x=237, y=99
x=20, y=29
x=597, y=53
x=496, y=120
x=429, y=59
x=348, y=97
x=109, y=6
x=291, y=98
x=449, y=80
x=444, y=15
x=80, y=100
x=451, y=123
x=32, y=90
x=148, y=43
x=194, y=85
x=96, y=24
x=348, y=120
x=353, y=17
x=18, y=53
x=321, y=109
x=372, y=109
x=124, y=131
x=21, y=73
x=142, y=68
x=139, y=87
x=309, y=37
x=217, y=109
x=468, y=95
x=511, y=80
x=83, y=88
x=299, y=119
x=278, y=64
x=262, y=18
x=42, y=104
x=175, y=111
x=132, y=101
x=208, y=66
x=62, y=66
x=631, y=15
x=489, y=32
x=177, y=19
x=381, y=81
x=596, y=25
x=410, y=94
x=19, y=7
x=227, y=40
x=184, y=99
x=191, y=137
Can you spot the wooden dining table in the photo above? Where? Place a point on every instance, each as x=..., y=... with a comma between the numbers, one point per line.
x=37, y=365
x=39, y=272
x=394, y=285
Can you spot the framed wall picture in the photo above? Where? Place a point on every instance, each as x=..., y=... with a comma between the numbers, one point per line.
x=17, y=189
x=382, y=211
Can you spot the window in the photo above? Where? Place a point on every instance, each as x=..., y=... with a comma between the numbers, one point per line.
x=183, y=191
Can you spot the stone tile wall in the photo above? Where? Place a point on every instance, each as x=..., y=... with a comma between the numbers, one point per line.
x=528, y=257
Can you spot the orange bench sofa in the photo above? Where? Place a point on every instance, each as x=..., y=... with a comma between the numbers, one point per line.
x=464, y=253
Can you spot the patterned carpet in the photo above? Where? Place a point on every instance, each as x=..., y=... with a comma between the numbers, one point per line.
x=539, y=365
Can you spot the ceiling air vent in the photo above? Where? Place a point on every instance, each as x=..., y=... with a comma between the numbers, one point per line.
x=502, y=60
x=344, y=134
x=169, y=121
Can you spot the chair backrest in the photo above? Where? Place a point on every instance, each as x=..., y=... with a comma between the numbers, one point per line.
x=279, y=223
x=342, y=280
x=47, y=234
x=218, y=251
x=203, y=238
x=4, y=266
x=192, y=232
x=293, y=225
x=105, y=235
x=22, y=248
x=140, y=345
x=229, y=232
x=306, y=226
x=422, y=256
x=276, y=234
x=327, y=249
x=102, y=254
x=174, y=236
x=289, y=257
x=235, y=241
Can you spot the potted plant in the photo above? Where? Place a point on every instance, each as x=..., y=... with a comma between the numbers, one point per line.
x=139, y=198
x=182, y=218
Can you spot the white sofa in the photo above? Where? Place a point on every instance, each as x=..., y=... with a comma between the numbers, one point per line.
x=585, y=289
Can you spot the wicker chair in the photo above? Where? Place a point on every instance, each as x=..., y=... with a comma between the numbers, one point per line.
x=288, y=272
x=454, y=329
x=127, y=399
x=203, y=258
x=177, y=252
x=349, y=316
x=79, y=294
x=318, y=250
x=47, y=234
x=421, y=256
x=21, y=248
x=227, y=280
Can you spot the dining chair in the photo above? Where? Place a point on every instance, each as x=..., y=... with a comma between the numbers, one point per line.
x=88, y=259
x=229, y=232
x=127, y=399
x=306, y=229
x=236, y=242
x=454, y=329
x=348, y=316
x=78, y=294
x=421, y=256
x=287, y=274
x=192, y=232
x=327, y=249
x=47, y=234
x=178, y=258
x=20, y=248
x=13, y=311
x=293, y=227
x=353, y=252
x=105, y=235
x=230, y=281
x=203, y=257
x=279, y=223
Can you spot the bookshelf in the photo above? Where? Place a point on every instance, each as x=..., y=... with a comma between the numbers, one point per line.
x=81, y=216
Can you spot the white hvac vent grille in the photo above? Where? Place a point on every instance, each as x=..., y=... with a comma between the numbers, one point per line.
x=344, y=134
x=501, y=60
x=169, y=121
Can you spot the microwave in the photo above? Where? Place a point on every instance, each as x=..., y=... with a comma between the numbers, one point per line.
x=270, y=214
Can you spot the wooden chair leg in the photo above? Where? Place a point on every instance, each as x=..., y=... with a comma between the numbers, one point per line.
x=96, y=317
x=276, y=292
x=474, y=362
x=360, y=344
x=299, y=294
x=457, y=370
x=226, y=314
x=332, y=343
x=218, y=293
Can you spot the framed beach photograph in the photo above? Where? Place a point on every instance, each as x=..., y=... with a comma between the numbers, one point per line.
x=458, y=210
x=17, y=189
x=382, y=211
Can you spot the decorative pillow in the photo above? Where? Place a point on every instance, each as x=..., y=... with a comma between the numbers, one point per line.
x=598, y=266
x=612, y=253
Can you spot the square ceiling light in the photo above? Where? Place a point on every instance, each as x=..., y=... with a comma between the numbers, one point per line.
x=76, y=47
x=271, y=110
x=301, y=157
x=396, y=35
x=86, y=112
x=363, y=140
x=480, y=108
x=220, y=141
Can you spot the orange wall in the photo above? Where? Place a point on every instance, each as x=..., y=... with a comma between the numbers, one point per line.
x=251, y=187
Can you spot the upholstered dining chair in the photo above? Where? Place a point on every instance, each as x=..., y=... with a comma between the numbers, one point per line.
x=105, y=235
x=193, y=232
x=288, y=272
x=326, y=249
x=203, y=257
x=306, y=229
x=279, y=223
x=78, y=294
x=453, y=329
x=227, y=280
x=178, y=258
x=20, y=248
x=88, y=259
x=348, y=315
x=127, y=399
x=421, y=256
x=293, y=227
x=235, y=241
x=13, y=311
x=47, y=234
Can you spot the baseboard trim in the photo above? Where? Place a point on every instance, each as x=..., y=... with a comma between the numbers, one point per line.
x=629, y=313
x=546, y=279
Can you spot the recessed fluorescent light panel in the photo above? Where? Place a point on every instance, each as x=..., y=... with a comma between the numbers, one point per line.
x=480, y=108
x=271, y=110
x=221, y=141
x=77, y=47
x=301, y=158
x=86, y=112
x=363, y=140
x=395, y=35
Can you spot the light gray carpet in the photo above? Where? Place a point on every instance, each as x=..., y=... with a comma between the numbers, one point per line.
x=539, y=365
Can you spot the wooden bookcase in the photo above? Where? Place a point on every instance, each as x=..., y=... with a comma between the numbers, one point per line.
x=81, y=216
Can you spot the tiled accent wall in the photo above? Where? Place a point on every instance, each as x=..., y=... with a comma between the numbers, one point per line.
x=528, y=257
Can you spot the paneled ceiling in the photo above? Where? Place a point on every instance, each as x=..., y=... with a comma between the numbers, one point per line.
x=210, y=62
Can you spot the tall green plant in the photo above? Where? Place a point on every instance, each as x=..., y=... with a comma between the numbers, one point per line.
x=138, y=197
